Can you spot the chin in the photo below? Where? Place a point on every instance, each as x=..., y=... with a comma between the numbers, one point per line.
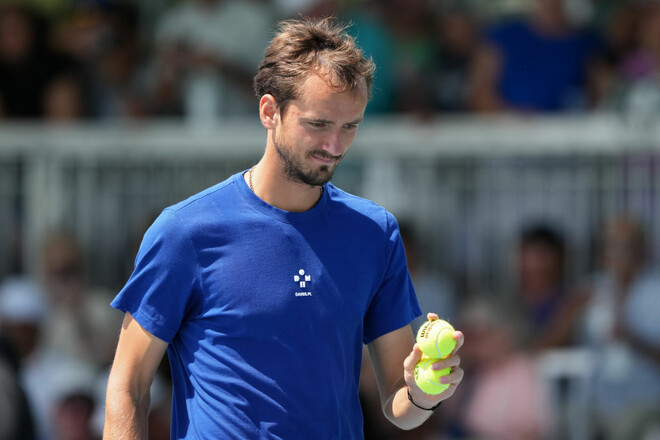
x=317, y=178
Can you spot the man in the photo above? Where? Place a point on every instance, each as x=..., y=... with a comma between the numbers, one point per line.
x=264, y=287
x=540, y=63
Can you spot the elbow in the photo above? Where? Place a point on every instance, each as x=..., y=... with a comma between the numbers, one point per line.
x=399, y=423
x=122, y=393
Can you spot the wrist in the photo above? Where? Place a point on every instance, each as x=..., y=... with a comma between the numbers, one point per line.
x=421, y=406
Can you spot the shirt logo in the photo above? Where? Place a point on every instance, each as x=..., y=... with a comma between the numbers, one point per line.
x=302, y=280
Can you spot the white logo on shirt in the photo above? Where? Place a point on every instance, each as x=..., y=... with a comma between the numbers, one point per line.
x=302, y=281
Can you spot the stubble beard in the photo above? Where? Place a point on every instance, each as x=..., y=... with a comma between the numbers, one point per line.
x=296, y=171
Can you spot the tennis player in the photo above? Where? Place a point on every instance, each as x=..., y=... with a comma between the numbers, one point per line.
x=263, y=288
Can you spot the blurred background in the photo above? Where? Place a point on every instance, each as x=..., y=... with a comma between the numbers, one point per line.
x=516, y=141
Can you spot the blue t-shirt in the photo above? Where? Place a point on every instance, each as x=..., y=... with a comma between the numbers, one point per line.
x=265, y=311
x=540, y=72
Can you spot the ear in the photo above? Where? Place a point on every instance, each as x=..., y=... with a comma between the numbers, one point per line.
x=269, y=112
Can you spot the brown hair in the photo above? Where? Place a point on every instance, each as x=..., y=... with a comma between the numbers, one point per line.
x=306, y=45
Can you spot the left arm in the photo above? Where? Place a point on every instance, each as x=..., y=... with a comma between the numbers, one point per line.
x=394, y=363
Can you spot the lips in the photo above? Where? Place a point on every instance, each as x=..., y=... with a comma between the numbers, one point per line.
x=324, y=157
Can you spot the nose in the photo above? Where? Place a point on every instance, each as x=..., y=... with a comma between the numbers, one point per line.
x=333, y=143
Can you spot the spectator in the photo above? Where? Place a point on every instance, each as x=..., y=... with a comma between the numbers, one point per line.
x=377, y=41
x=206, y=53
x=72, y=417
x=537, y=64
x=396, y=34
x=22, y=313
x=640, y=69
x=16, y=422
x=26, y=64
x=307, y=8
x=80, y=323
x=74, y=404
x=504, y=397
x=63, y=99
x=616, y=318
x=104, y=39
x=117, y=79
x=541, y=262
x=618, y=29
x=414, y=48
x=620, y=323
x=644, y=62
x=457, y=33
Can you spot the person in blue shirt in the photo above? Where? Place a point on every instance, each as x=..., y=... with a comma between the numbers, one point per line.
x=540, y=63
x=263, y=288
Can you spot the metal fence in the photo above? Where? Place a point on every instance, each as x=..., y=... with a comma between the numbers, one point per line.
x=467, y=184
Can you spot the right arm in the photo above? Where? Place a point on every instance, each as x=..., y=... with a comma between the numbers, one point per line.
x=128, y=395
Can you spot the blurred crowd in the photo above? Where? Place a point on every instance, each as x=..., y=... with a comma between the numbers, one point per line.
x=603, y=323
x=57, y=336
x=67, y=60
x=109, y=60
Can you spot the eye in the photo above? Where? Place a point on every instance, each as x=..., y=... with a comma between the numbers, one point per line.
x=350, y=126
x=317, y=124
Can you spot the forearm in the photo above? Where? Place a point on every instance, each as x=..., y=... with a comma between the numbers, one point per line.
x=402, y=413
x=126, y=416
x=129, y=385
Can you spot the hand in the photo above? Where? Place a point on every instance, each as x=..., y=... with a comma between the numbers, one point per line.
x=453, y=379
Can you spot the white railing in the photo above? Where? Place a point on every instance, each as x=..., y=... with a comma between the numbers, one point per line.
x=469, y=184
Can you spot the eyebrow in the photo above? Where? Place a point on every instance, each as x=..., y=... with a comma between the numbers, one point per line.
x=326, y=121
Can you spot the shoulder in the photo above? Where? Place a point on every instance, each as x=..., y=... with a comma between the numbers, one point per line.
x=360, y=212
x=508, y=31
x=205, y=203
x=204, y=198
x=196, y=212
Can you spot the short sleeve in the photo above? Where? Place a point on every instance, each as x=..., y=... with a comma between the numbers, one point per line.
x=164, y=287
x=395, y=304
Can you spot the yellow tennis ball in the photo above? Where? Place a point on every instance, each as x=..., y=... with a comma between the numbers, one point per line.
x=428, y=379
x=435, y=339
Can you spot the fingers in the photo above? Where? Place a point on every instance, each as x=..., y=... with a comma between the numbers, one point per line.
x=412, y=359
x=457, y=373
x=460, y=339
x=453, y=378
x=432, y=316
x=450, y=362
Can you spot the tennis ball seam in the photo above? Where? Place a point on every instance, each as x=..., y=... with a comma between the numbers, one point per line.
x=425, y=377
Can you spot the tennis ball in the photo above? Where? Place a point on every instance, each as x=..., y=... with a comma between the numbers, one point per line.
x=435, y=339
x=428, y=379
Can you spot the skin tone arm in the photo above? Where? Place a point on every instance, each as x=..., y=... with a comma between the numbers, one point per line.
x=483, y=78
x=127, y=400
x=391, y=352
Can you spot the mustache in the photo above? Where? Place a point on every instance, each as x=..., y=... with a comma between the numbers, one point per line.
x=325, y=155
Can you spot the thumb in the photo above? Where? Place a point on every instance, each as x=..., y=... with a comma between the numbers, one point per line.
x=412, y=359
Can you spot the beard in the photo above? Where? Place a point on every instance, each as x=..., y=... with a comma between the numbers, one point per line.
x=297, y=171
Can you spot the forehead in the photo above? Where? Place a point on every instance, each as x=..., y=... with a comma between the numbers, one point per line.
x=317, y=94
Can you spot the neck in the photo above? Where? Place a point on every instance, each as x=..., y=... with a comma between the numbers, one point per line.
x=273, y=187
x=552, y=25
